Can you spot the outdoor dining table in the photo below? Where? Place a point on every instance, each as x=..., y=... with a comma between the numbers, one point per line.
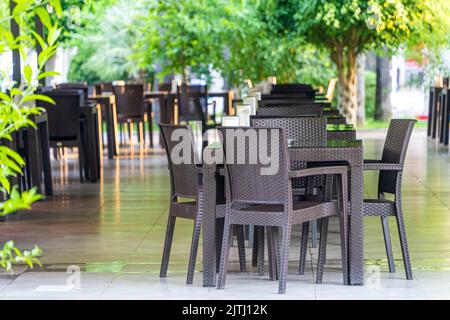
x=107, y=101
x=341, y=132
x=32, y=143
x=39, y=151
x=349, y=152
x=167, y=102
x=92, y=115
x=443, y=117
x=335, y=119
x=328, y=111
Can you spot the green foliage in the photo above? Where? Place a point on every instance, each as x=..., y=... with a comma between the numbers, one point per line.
x=240, y=39
x=183, y=33
x=18, y=103
x=10, y=255
x=105, y=42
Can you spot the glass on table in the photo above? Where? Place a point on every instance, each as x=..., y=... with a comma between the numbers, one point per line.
x=243, y=111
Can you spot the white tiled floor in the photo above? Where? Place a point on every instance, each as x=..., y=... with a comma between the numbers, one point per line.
x=114, y=231
x=32, y=285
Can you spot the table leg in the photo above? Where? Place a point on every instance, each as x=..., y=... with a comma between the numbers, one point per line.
x=356, y=227
x=208, y=205
x=109, y=130
x=442, y=115
x=430, y=113
x=98, y=146
x=34, y=158
x=92, y=153
x=229, y=103
x=114, y=128
x=446, y=123
x=46, y=164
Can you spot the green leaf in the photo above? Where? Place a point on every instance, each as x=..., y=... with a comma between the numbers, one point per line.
x=40, y=97
x=39, y=40
x=47, y=74
x=28, y=73
x=15, y=92
x=56, y=4
x=53, y=34
x=12, y=154
x=44, y=16
x=5, y=97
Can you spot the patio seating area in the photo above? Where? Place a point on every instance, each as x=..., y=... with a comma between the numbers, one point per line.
x=224, y=150
x=114, y=236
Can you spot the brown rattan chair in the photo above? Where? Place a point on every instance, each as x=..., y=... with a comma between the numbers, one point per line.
x=185, y=182
x=131, y=108
x=390, y=182
x=266, y=200
x=305, y=131
x=66, y=125
x=193, y=104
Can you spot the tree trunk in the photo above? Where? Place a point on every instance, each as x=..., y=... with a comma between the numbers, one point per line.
x=361, y=114
x=347, y=70
x=15, y=30
x=383, y=109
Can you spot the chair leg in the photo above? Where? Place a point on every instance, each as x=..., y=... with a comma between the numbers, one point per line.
x=261, y=237
x=131, y=132
x=219, y=238
x=276, y=251
x=387, y=243
x=403, y=241
x=226, y=244
x=284, y=258
x=271, y=254
x=341, y=188
x=141, y=133
x=344, y=250
x=121, y=130
x=241, y=247
x=81, y=161
x=194, y=249
x=150, y=127
x=314, y=234
x=303, y=248
x=322, y=249
x=255, y=246
x=167, y=246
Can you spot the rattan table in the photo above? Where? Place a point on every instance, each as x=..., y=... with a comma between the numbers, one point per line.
x=350, y=152
x=107, y=101
x=341, y=132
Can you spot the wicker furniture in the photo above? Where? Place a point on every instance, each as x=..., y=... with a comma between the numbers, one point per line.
x=390, y=181
x=350, y=152
x=131, y=109
x=193, y=104
x=341, y=132
x=334, y=119
x=288, y=111
x=66, y=126
x=108, y=106
x=266, y=200
x=306, y=131
x=186, y=184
